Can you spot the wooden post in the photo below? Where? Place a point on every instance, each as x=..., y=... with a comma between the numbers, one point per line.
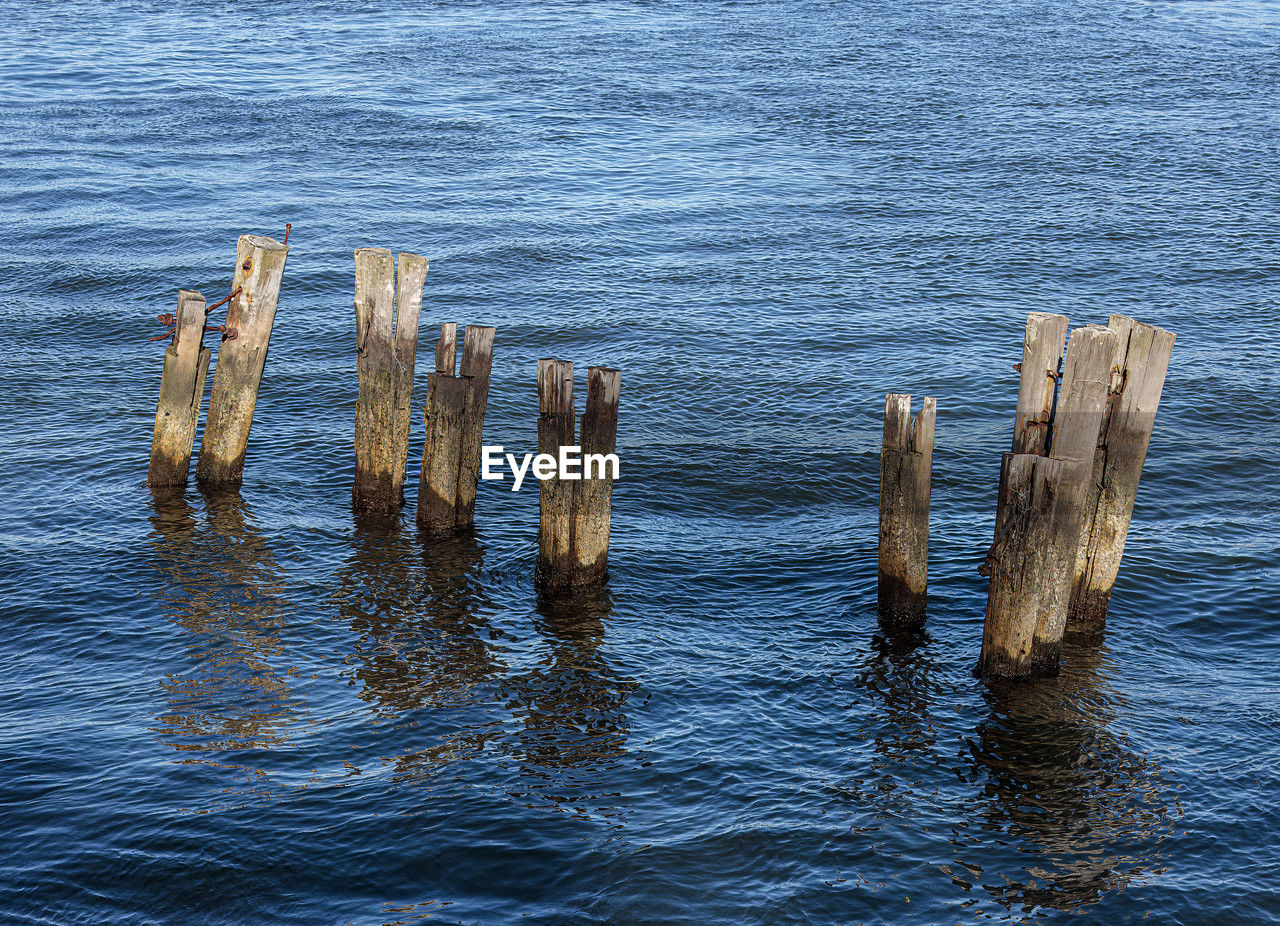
x=906, y=466
x=259, y=269
x=186, y=364
x=455, y=413
x=477, y=361
x=1041, y=354
x=386, y=348
x=1039, y=515
x=1142, y=354
x=555, y=496
x=1032, y=511
x=599, y=439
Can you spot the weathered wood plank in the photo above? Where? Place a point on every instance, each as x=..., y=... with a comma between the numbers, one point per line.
x=477, y=362
x=251, y=314
x=375, y=458
x=186, y=366
x=599, y=438
x=906, y=466
x=1041, y=354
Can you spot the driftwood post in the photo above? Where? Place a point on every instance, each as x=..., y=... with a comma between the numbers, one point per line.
x=906, y=466
x=387, y=311
x=1142, y=354
x=454, y=425
x=241, y=358
x=186, y=364
x=576, y=505
x=1040, y=510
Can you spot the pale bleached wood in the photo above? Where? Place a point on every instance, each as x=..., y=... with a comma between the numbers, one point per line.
x=594, y=496
x=373, y=489
x=1142, y=360
x=251, y=314
x=186, y=366
x=477, y=362
x=447, y=348
x=1041, y=353
x=906, y=466
x=411, y=276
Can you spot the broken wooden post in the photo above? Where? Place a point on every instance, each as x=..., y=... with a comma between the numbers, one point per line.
x=1040, y=512
x=241, y=358
x=555, y=495
x=1041, y=355
x=477, y=362
x=386, y=348
x=1142, y=354
x=456, y=406
x=599, y=444
x=186, y=364
x=576, y=502
x=906, y=466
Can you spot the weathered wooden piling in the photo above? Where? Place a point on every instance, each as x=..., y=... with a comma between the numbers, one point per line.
x=454, y=426
x=1041, y=356
x=241, y=358
x=186, y=365
x=387, y=307
x=906, y=467
x=1141, y=362
x=1040, y=509
x=575, y=505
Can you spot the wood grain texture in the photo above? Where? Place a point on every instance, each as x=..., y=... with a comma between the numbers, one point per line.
x=375, y=305
x=411, y=277
x=555, y=496
x=477, y=362
x=1141, y=363
x=186, y=366
x=1041, y=354
x=594, y=509
x=447, y=399
x=906, y=466
x=259, y=270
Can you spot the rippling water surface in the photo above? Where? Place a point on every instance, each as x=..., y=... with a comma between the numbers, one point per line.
x=252, y=709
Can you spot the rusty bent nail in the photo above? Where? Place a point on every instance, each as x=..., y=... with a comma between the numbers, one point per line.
x=287, y=226
x=221, y=302
x=161, y=337
x=1017, y=368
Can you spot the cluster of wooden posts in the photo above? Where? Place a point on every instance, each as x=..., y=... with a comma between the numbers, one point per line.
x=1067, y=489
x=573, y=536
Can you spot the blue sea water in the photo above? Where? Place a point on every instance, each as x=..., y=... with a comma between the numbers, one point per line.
x=253, y=709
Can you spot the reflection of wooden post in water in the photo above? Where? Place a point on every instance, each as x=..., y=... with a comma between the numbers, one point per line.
x=906, y=467
x=1065, y=788
x=186, y=364
x=387, y=310
x=221, y=585
x=1141, y=361
x=575, y=512
x=454, y=425
x=1040, y=508
x=241, y=359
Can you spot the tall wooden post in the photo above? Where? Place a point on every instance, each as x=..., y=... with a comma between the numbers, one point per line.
x=455, y=411
x=555, y=495
x=1040, y=512
x=599, y=439
x=906, y=467
x=186, y=365
x=1041, y=355
x=477, y=362
x=386, y=348
x=1141, y=361
x=241, y=358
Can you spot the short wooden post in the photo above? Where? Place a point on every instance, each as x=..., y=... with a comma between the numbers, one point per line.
x=599, y=441
x=1141, y=361
x=241, y=358
x=555, y=495
x=455, y=413
x=1039, y=515
x=906, y=466
x=186, y=364
x=576, y=506
x=477, y=362
x=386, y=348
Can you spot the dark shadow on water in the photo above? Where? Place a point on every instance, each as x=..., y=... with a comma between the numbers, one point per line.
x=220, y=584
x=1065, y=789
